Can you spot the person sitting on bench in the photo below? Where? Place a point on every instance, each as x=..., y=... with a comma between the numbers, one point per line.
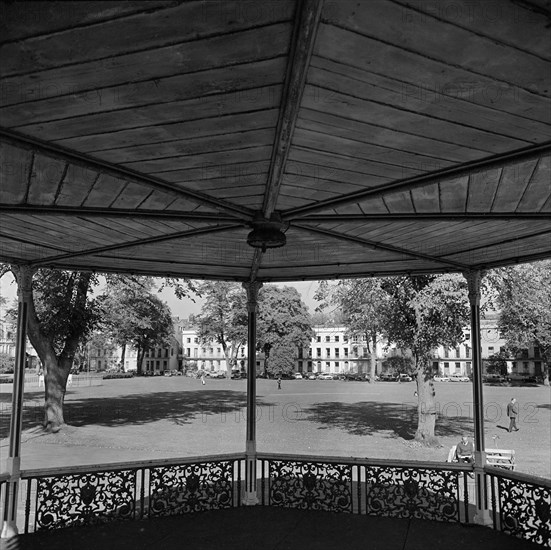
x=464, y=451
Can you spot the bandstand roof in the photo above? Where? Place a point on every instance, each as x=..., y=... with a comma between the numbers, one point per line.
x=388, y=136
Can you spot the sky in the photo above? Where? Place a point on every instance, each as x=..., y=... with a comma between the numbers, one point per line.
x=180, y=308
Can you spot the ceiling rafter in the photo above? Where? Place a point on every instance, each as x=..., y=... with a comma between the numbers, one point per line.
x=433, y=216
x=88, y=162
x=380, y=246
x=304, y=36
x=465, y=169
x=90, y=212
x=136, y=242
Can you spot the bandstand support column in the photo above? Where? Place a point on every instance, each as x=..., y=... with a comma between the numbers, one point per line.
x=482, y=515
x=13, y=462
x=251, y=496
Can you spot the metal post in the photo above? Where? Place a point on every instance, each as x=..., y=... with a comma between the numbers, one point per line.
x=482, y=515
x=251, y=496
x=13, y=462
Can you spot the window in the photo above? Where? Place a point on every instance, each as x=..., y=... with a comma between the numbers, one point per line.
x=300, y=366
x=188, y=340
x=195, y=352
x=188, y=352
x=457, y=353
x=310, y=352
x=99, y=364
x=327, y=352
x=446, y=353
x=364, y=351
x=171, y=352
x=300, y=353
x=468, y=336
x=458, y=367
x=537, y=353
x=327, y=365
x=195, y=340
x=345, y=338
x=336, y=338
x=319, y=339
x=165, y=364
x=166, y=352
x=336, y=352
x=318, y=352
x=328, y=338
x=525, y=366
x=467, y=351
x=490, y=350
x=345, y=352
x=159, y=352
x=337, y=365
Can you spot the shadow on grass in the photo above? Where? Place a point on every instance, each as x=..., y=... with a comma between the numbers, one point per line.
x=176, y=406
x=371, y=418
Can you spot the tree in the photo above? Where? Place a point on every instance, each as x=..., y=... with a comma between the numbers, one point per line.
x=363, y=304
x=223, y=318
x=426, y=312
x=152, y=324
x=120, y=319
x=398, y=365
x=60, y=315
x=524, y=300
x=283, y=319
x=282, y=358
x=496, y=363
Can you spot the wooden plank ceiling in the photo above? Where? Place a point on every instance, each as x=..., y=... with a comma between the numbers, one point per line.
x=390, y=136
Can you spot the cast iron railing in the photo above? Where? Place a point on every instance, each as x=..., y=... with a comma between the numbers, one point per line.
x=521, y=504
x=363, y=486
x=90, y=495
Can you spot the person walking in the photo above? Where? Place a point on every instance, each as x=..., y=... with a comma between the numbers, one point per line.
x=512, y=413
x=279, y=382
x=203, y=378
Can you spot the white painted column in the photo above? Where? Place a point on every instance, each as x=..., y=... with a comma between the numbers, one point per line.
x=251, y=496
x=9, y=524
x=482, y=515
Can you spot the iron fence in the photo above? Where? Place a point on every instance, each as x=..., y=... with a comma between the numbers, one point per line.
x=85, y=495
x=521, y=505
x=371, y=487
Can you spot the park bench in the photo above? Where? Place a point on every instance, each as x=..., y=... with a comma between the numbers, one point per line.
x=501, y=458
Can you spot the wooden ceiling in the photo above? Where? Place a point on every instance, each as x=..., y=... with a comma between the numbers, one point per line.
x=390, y=136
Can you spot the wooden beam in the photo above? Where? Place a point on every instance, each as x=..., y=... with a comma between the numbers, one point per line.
x=134, y=214
x=84, y=161
x=304, y=36
x=406, y=184
x=137, y=242
x=380, y=246
x=440, y=217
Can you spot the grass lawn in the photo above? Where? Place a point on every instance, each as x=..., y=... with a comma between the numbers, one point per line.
x=145, y=418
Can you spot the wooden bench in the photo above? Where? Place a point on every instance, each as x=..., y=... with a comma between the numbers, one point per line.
x=501, y=458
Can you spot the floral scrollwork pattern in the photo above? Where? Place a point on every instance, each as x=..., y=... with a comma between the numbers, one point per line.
x=186, y=488
x=85, y=499
x=525, y=510
x=311, y=485
x=412, y=493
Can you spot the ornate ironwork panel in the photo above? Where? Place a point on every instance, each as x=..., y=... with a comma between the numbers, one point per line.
x=310, y=485
x=525, y=510
x=189, y=488
x=84, y=499
x=412, y=493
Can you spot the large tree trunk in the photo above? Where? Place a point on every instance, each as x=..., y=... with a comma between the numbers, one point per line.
x=139, y=359
x=123, y=356
x=373, y=356
x=426, y=409
x=55, y=383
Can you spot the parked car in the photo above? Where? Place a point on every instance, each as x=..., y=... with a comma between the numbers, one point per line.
x=312, y=376
x=325, y=376
x=236, y=375
x=389, y=378
x=297, y=376
x=493, y=379
x=459, y=378
x=405, y=378
x=439, y=378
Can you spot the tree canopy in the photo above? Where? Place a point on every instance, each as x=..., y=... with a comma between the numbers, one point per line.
x=223, y=317
x=283, y=319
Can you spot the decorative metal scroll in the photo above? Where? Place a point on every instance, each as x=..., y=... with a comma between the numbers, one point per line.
x=525, y=510
x=186, y=488
x=85, y=499
x=310, y=485
x=412, y=493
